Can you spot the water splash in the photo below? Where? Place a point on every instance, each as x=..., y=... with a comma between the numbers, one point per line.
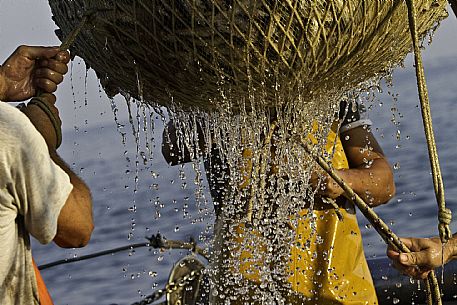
x=259, y=179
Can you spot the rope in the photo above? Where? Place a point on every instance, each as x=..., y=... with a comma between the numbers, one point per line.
x=152, y=297
x=428, y=292
x=445, y=216
x=41, y=103
x=70, y=39
x=380, y=226
x=87, y=18
x=313, y=43
x=38, y=100
x=155, y=241
x=367, y=211
x=333, y=203
x=260, y=172
x=93, y=255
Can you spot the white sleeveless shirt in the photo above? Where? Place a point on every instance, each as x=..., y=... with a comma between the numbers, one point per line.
x=33, y=190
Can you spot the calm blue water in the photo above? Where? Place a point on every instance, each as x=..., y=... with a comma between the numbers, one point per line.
x=123, y=216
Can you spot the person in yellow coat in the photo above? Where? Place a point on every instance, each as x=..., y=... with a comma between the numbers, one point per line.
x=338, y=274
x=341, y=275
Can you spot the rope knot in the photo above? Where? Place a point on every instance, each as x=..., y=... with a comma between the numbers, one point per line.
x=445, y=218
x=156, y=241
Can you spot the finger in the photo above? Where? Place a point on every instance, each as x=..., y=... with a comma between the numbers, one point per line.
x=319, y=181
x=392, y=254
x=418, y=273
x=314, y=178
x=414, y=273
x=414, y=259
x=37, y=52
x=49, y=74
x=423, y=274
x=408, y=242
x=46, y=85
x=397, y=265
x=408, y=271
x=49, y=98
x=63, y=57
x=54, y=64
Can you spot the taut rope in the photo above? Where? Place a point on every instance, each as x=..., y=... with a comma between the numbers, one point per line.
x=444, y=215
x=380, y=226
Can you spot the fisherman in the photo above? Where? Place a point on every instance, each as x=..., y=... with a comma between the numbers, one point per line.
x=426, y=254
x=361, y=163
x=39, y=194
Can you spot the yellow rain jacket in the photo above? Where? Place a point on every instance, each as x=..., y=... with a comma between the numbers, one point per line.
x=327, y=266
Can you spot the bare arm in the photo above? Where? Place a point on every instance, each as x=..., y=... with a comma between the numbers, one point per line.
x=75, y=222
x=2, y=88
x=26, y=70
x=369, y=173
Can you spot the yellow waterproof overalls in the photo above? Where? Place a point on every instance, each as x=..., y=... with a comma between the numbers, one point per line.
x=327, y=266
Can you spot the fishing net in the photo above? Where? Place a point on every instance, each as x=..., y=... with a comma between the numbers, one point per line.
x=249, y=79
x=192, y=52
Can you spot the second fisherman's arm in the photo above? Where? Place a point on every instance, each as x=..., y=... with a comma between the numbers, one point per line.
x=370, y=174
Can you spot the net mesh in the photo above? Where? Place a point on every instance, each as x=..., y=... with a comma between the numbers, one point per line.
x=191, y=49
x=241, y=66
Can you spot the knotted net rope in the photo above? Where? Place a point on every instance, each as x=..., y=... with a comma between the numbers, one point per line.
x=192, y=50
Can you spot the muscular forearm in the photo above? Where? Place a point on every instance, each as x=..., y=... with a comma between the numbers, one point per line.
x=74, y=179
x=370, y=174
x=75, y=223
x=375, y=184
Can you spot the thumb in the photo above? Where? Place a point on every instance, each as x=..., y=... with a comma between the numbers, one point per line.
x=413, y=259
